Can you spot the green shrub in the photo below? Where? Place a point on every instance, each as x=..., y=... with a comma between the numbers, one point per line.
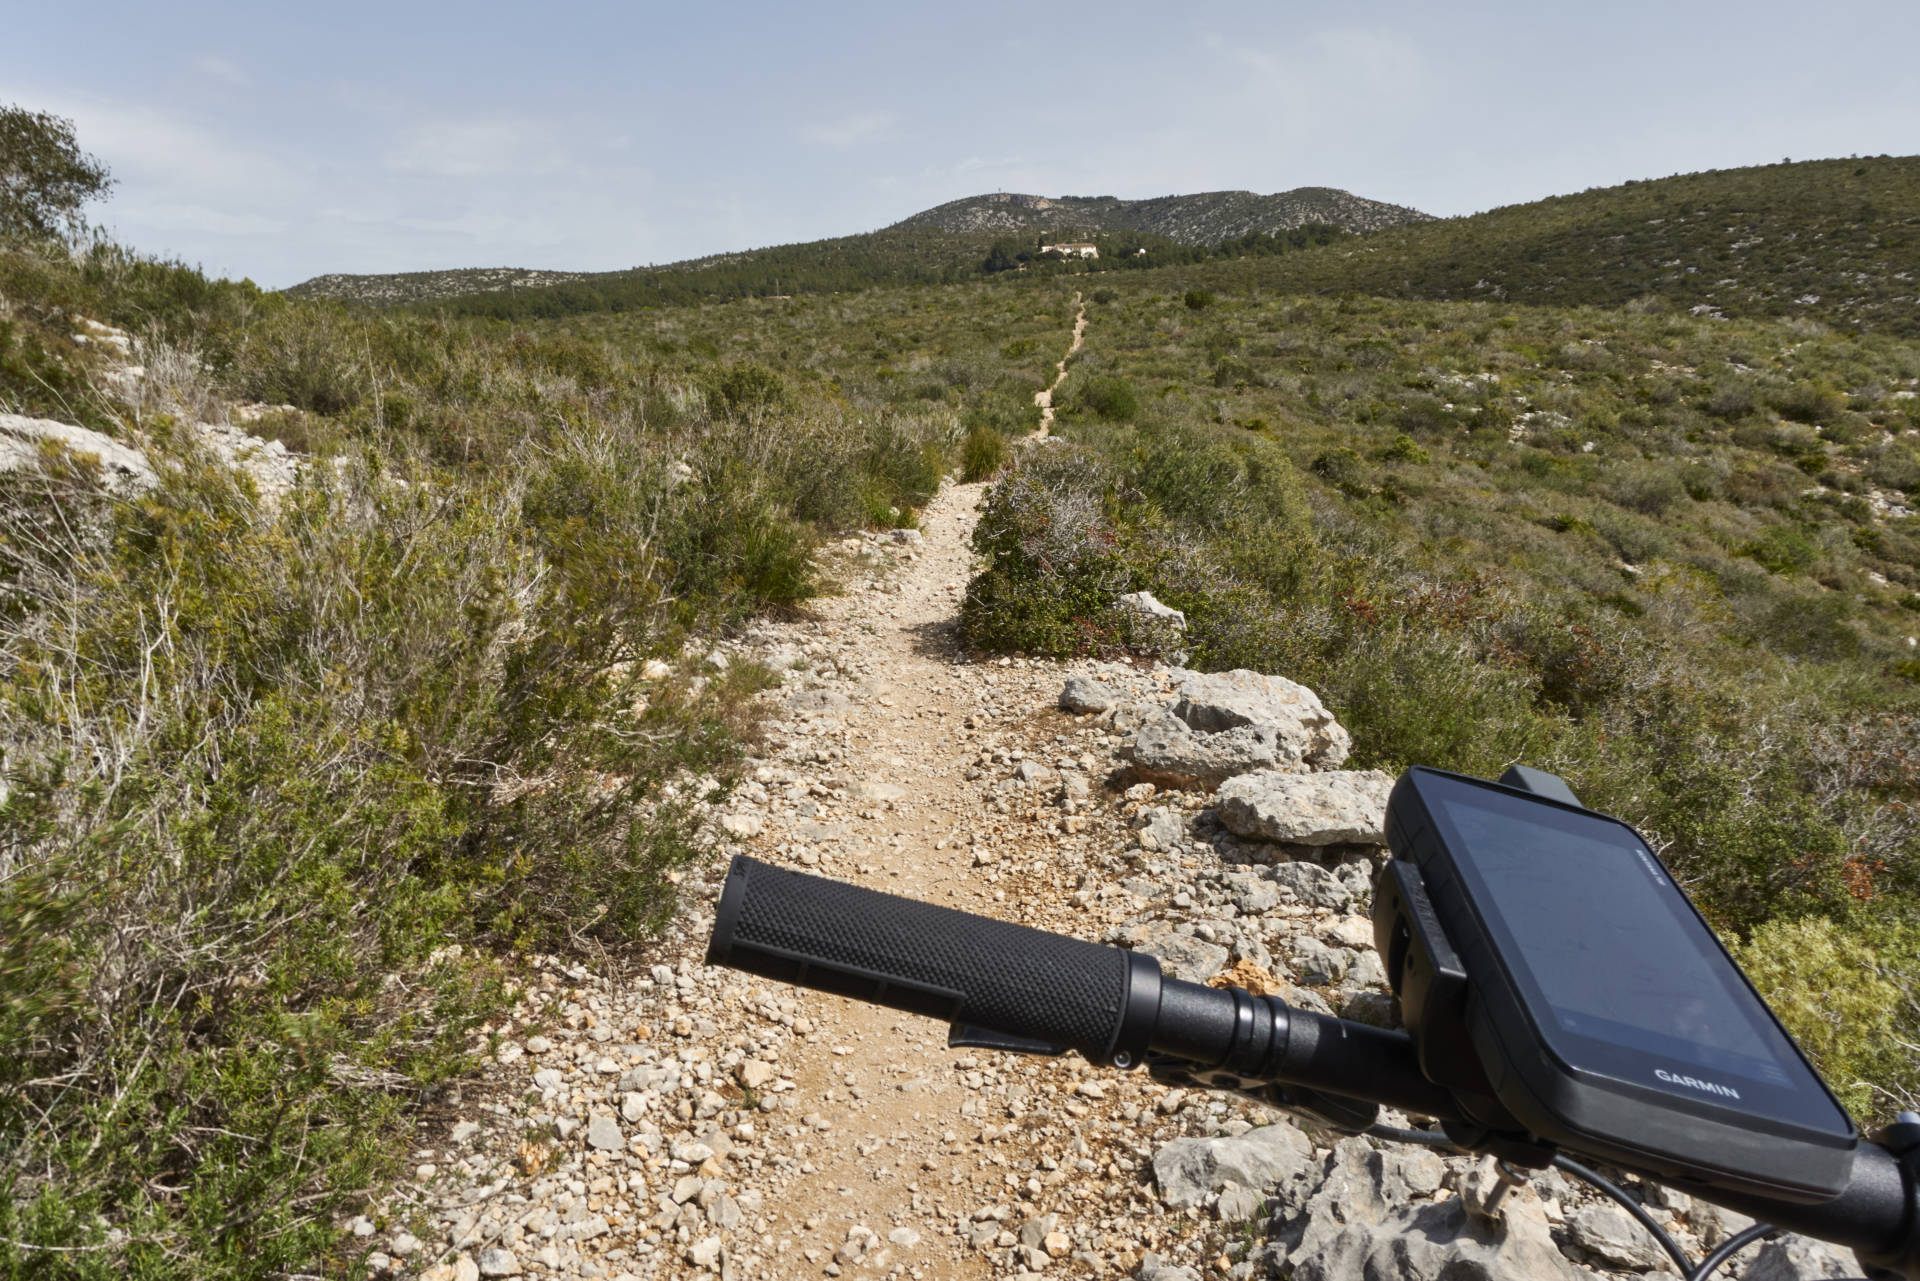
x=981, y=454
x=1784, y=549
x=1809, y=402
x=903, y=461
x=1848, y=999
x=1111, y=398
x=1650, y=489
x=1733, y=400
x=309, y=357
x=1342, y=467
x=1198, y=299
x=745, y=389
x=1404, y=449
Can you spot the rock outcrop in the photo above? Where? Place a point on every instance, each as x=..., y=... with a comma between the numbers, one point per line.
x=23, y=439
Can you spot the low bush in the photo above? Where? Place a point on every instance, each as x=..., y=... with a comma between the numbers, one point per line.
x=1110, y=398
x=1054, y=561
x=740, y=390
x=981, y=454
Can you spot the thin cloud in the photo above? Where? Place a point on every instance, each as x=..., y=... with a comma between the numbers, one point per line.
x=500, y=147
x=223, y=72
x=852, y=131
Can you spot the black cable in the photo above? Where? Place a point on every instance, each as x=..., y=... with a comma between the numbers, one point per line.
x=1730, y=1247
x=1632, y=1207
x=1426, y=1138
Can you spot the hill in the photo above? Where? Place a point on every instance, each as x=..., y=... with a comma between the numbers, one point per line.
x=424, y=286
x=939, y=245
x=1836, y=240
x=1207, y=218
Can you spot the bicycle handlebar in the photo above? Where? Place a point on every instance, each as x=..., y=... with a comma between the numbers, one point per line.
x=925, y=959
x=1044, y=992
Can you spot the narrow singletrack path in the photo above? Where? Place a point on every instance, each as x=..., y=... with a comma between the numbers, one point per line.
x=697, y=1120
x=1044, y=397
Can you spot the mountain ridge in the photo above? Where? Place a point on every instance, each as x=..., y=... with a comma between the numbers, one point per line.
x=1199, y=218
x=952, y=233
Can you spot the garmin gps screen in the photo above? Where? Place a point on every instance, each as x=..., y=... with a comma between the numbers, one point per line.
x=1607, y=942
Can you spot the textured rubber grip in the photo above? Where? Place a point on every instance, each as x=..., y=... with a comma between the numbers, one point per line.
x=915, y=956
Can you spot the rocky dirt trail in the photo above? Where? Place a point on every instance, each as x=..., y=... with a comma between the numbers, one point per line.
x=1044, y=397
x=660, y=1118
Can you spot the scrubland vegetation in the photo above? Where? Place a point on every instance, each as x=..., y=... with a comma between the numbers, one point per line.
x=1672, y=559
x=1831, y=240
x=285, y=778
x=1667, y=556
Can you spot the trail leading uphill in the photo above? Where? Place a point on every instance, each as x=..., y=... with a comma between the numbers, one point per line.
x=675, y=1120
x=1044, y=397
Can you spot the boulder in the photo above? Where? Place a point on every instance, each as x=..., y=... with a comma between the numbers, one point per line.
x=1345, y=807
x=1032, y=771
x=1147, y=606
x=1319, y=965
x=499, y=1263
x=742, y=826
x=1084, y=694
x=1189, y=1170
x=1160, y=828
x=1220, y=701
x=819, y=700
x=1254, y=895
x=603, y=1132
x=1155, y=1268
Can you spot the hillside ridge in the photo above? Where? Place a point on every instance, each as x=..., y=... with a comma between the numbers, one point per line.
x=950, y=234
x=1202, y=218
x=1837, y=241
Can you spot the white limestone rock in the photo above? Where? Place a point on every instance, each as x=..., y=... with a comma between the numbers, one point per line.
x=1344, y=807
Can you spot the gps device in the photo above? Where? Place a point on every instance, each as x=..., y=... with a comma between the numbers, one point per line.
x=1555, y=977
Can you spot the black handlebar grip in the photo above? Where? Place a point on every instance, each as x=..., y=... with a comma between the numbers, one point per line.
x=921, y=958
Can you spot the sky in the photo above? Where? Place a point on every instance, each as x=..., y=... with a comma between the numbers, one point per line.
x=280, y=142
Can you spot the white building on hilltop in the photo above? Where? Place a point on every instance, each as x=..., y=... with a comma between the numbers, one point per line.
x=1073, y=249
